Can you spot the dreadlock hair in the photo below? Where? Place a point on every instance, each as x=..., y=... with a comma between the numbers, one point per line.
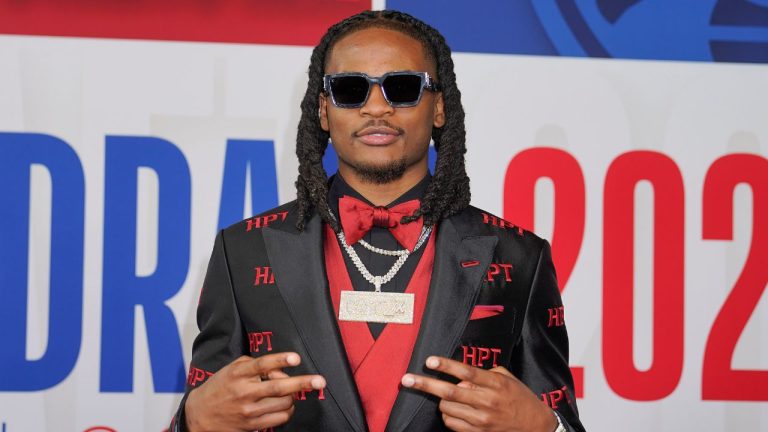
x=448, y=192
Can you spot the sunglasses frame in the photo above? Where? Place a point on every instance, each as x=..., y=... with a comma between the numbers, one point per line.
x=427, y=82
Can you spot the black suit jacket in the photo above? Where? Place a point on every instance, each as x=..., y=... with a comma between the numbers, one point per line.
x=266, y=277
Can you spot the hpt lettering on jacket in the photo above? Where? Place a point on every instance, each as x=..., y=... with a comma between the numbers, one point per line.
x=302, y=395
x=499, y=270
x=256, y=340
x=264, y=221
x=264, y=276
x=556, y=316
x=553, y=398
x=480, y=356
x=197, y=375
x=501, y=223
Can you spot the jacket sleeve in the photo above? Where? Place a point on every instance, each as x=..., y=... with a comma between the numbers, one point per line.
x=221, y=339
x=540, y=357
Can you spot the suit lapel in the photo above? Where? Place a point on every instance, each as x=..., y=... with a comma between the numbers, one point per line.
x=452, y=293
x=297, y=260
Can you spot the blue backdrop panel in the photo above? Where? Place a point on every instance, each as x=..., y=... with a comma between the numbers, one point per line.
x=689, y=30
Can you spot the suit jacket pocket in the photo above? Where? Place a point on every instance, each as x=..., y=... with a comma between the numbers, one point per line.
x=487, y=338
x=486, y=311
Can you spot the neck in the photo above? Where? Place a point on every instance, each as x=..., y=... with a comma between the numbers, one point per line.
x=383, y=194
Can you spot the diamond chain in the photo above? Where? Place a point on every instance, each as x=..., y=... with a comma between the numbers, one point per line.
x=378, y=281
x=381, y=251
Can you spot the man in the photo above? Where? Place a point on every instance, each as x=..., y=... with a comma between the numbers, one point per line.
x=379, y=299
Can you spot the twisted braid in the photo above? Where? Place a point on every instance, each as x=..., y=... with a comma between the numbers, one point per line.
x=448, y=192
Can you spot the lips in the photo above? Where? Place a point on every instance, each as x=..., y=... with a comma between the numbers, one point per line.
x=378, y=135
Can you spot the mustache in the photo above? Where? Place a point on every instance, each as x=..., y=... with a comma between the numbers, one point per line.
x=381, y=123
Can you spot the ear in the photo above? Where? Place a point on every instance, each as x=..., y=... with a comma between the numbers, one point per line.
x=438, y=119
x=322, y=111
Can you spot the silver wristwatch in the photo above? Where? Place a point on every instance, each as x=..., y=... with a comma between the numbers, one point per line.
x=560, y=427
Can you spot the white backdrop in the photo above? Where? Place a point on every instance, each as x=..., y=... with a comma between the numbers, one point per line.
x=198, y=95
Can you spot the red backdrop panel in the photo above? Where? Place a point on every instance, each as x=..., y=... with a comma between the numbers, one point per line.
x=285, y=22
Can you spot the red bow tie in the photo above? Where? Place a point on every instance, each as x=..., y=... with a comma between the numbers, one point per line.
x=357, y=218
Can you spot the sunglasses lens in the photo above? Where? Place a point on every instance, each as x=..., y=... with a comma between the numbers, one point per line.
x=349, y=90
x=403, y=89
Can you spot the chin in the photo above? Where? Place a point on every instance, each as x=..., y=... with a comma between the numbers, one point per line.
x=380, y=172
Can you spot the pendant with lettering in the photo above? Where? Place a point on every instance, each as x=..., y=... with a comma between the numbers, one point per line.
x=380, y=307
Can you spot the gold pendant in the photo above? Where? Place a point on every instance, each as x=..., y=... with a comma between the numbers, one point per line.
x=380, y=307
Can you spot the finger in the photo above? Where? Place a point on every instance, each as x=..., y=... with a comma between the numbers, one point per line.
x=287, y=386
x=462, y=371
x=442, y=389
x=457, y=424
x=269, y=405
x=277, y=374
x=261, y=366
x=509, y=377
x=502, y=370
x=470, y=415
x=270, y=420
x=466, y=384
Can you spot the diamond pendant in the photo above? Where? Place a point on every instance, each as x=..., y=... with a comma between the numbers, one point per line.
x=380, y=307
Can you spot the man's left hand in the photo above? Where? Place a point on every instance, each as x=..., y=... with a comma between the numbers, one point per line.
x=484, y=400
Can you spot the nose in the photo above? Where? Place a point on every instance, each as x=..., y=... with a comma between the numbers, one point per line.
x=376, y=105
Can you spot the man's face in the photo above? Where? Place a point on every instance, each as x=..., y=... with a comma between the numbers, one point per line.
x=379, y=143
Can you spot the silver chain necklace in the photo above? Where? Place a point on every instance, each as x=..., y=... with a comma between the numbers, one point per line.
x=381, y=251
x=402, y=256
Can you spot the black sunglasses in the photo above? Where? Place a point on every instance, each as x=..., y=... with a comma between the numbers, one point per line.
x=400, y=89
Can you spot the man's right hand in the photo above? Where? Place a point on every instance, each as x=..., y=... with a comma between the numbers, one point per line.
x=248, y=394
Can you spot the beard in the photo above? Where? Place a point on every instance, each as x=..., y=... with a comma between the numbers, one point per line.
x=380, y=173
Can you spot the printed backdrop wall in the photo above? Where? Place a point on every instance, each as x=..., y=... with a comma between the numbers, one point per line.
x=633, y=134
